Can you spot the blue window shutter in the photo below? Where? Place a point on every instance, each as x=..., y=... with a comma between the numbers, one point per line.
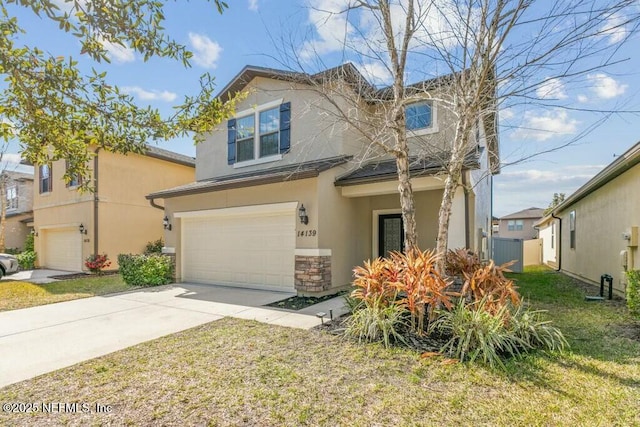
x=231, y=141
x=285, y=127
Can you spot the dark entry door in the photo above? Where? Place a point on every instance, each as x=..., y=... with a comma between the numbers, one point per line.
x=390, y=234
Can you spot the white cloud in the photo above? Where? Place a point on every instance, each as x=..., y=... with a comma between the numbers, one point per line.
x=119, y=53
x=546, y=125
x=583, y=99
x=205, y=51
x=519, y=189
x=331, y=25
x=153, y=95
x=551, y=89
x=376, y=73
x=506, y=114
x=253, y=5
x=615, y=29
x=606, y=87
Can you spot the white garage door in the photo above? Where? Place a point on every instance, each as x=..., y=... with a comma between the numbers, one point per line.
x=62, y=249
x=251, y=246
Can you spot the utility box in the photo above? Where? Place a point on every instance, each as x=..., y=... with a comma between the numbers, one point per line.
x=633, y=238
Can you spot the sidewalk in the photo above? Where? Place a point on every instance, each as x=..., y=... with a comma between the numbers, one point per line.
x=37, y=340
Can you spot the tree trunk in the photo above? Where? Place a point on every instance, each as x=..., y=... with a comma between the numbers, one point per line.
x=406, y=203
x=3, y=211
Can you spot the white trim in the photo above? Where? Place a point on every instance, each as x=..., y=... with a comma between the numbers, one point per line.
x=168, y=250
x=60, y=226
x=313, y=252
x=374, y=235
x=286, y=208
x=423, y=183
x=258, y=161
x=256, y=108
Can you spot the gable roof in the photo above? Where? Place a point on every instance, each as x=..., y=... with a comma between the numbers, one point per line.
x=529, y=213
x=349, y=73
x=18, y=176
x=387, y=169
x=266, y=176
x=620, y=165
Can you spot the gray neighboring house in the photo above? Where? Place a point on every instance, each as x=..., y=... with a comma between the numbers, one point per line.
x=19, y=205
x=520, y=225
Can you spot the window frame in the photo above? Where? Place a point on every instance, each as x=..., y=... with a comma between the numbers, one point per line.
x=255, y=112
x=12, y=202
x=76, y=180
x=572, y=229
x=49, y=178
x=433, y=128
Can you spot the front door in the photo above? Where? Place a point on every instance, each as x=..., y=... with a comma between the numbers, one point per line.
x=390, y=234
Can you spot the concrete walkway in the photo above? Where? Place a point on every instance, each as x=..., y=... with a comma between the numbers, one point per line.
x=37, y=340
x=37, y=276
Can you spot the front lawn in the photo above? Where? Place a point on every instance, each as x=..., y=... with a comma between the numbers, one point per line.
x=19, y=294
x=236, y=372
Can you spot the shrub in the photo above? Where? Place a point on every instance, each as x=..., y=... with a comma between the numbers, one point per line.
x=145, y=270
x=460, y=261
x=154, y=247
x=477, y=333
x=409, y=281
x=27, y=260
x=96, y=263
x=489, y=284
x=28, y=243
x=633, y=292
x=377, y=321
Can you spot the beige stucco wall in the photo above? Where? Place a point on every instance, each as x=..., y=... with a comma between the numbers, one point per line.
x=126, y=219
x=549, y=243
x=16, y=232
x=527, y=232
x=532, y=252
x=601, y=218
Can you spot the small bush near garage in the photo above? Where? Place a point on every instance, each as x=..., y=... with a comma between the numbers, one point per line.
x=154, y=248
x=633, y=292
x=96, y=263
x=145, y=270
x=27, y=260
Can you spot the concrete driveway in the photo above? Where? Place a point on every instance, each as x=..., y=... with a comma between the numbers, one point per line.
x=37, y=276
x=37, y=340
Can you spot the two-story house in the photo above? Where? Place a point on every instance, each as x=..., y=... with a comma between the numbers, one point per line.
x=521, y=224
x=19, y=208
x=114, y=218
x=284, y=200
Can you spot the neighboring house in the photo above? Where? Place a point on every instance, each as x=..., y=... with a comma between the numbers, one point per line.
x=520, y=225
x=279, y=202
x=19, y=208
x=597, y=226
x=116, y=218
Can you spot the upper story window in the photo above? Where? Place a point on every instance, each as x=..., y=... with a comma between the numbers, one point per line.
x=259, y=135
x=420, y=117
x=12, y=197
x=76, y=179
x=515, y=225
x=46, y=182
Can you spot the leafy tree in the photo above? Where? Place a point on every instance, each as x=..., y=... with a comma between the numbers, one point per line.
x=557, y=199
x=57, y=112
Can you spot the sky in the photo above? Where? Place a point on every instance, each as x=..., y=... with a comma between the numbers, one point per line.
x=257, y=32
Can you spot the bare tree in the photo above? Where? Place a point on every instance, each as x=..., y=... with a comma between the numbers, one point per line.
x=490, y=54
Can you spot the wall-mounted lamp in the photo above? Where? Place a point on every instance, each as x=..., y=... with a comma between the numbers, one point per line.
x=82, y=229
x=165, y=223
x=34, y=232
x=302, y=214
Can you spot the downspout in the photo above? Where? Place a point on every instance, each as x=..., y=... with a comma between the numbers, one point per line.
x=467, y=238
x=96, y=199
x=553, y=215
x=155, y=205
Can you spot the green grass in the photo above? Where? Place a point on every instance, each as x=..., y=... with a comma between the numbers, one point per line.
x=235, y=372
x=19, y=294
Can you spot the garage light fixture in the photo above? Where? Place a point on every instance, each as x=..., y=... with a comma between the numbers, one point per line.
x=302, y=213
x=82, y=229
x=34, y=232
x=165, y=223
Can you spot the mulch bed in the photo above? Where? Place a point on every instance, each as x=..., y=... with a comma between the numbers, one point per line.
x=298, y=302
x=81, y=275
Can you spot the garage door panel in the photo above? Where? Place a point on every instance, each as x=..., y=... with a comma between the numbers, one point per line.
x=62, y=249
x=248, y=250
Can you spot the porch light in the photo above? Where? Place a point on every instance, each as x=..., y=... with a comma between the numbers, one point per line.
x=82, y=229
x=34, y=232
x=165, y=223
x=302, y=213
